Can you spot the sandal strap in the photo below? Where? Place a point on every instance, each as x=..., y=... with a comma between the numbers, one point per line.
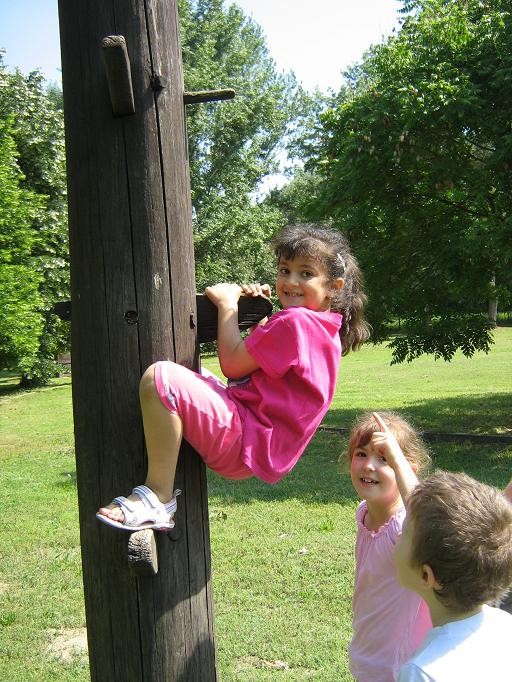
x=151, y=501
x=124, y=503
x=148, y=497
x=172, y=505
x=131, y=518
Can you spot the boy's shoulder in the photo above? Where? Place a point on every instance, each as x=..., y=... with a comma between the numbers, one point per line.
x=473, y=648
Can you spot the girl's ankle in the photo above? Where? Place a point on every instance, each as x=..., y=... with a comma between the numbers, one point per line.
x=163, y=494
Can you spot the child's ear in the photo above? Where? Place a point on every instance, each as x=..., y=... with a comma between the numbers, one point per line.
x=428, y=579
x=338, y=283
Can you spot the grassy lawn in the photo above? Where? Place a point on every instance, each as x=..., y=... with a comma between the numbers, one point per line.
x=282, y=556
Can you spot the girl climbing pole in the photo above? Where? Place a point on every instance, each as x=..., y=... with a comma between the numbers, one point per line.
x=282, y=378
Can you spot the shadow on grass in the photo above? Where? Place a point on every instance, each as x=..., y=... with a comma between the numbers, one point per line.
x=10, y=385
x=54, y=386
x=484, y=413
x=67, y=479
x=319, y=478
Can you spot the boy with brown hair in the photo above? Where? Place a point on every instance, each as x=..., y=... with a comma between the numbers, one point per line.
x=456, y=553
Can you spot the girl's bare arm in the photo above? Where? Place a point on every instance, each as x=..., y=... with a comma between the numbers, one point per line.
x=234, y=358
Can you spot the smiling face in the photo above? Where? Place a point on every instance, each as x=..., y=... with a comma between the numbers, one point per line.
x=404, y=571
x=412, y=577
x=304, y=282
x=372, y=477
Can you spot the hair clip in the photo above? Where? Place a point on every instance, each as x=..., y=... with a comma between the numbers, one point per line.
x=341, y=261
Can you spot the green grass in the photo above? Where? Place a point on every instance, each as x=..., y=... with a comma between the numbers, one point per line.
x=470, y=395
x=282, y=555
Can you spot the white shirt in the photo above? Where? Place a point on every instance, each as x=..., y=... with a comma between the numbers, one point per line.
x=475, y=649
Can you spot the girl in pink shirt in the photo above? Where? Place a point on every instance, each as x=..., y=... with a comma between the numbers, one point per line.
x=385, y=454
x=282, y=378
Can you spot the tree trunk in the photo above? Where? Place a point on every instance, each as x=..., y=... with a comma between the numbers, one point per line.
x=492, y=305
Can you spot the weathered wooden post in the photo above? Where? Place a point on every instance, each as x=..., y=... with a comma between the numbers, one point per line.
x=133, y=298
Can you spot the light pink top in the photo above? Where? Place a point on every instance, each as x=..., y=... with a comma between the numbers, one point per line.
x=389, y=621
x=282, y=403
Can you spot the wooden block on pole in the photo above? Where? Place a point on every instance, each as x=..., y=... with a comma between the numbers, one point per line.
x=142, y=553
x=119, y=75
x=200, y=96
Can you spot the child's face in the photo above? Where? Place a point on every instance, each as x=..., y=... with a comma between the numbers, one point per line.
x=304, y=282
x=408, y=576
x=372, y=477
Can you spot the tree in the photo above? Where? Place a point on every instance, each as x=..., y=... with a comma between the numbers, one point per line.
x=20, y=323
x=294, y=198
x=232, y=244
x=37, y=130
x=416, y=161
x=232, y=145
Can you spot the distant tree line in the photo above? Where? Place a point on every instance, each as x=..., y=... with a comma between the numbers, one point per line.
x=412, y=158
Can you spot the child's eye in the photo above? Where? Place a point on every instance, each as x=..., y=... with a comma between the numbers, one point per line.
x=307, y=273
x=283, y=271
x=360, y=453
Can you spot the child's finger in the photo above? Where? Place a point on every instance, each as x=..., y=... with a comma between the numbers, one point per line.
x=379, y=437
x=380, y=422
x=222, y=292
x=249, y=289
x=256, y=289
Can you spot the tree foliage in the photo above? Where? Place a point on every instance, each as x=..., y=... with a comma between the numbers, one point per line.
x=232, y=145
x=20, y=321
x=294, y=198
x=416, y=166
x=36, y=133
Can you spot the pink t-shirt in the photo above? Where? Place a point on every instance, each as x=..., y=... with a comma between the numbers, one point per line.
x=389, y=621
x=282, y=403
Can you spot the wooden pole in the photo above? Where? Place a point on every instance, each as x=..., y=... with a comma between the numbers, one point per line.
x=133, y=298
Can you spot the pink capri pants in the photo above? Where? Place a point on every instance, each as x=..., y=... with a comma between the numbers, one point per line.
x=211, y=422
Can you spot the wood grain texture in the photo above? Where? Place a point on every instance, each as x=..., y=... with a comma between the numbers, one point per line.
x=142, y=553
x=132, y=252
